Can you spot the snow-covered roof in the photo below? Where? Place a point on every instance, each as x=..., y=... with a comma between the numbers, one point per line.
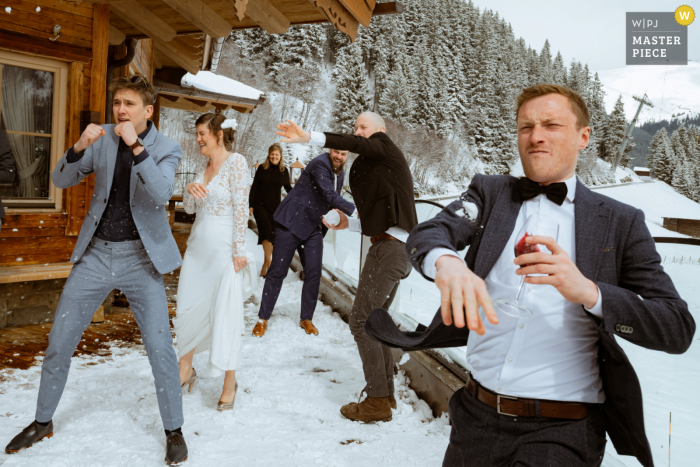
x=636, y=169
x=211, y=82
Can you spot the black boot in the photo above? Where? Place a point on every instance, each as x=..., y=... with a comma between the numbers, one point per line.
x=176, y=449
x=29, y=436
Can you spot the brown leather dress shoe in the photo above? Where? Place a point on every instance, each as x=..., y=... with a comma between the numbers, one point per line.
x=308, y=326
x=260, y=327
x=372, y=409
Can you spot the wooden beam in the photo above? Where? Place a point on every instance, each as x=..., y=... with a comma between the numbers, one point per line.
x=389, y=8
x=267, y=16
x=101, y=36
x=177, y=51
x=20, y=42
x=360, y=9
x=203, y=17
x=116, y=37
x=143, y=20
x=74, y=194
x=339, y=16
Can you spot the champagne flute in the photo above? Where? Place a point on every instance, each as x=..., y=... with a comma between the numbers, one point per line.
x=535, y=224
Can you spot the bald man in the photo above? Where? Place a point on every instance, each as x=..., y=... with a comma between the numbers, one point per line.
x=382, y=188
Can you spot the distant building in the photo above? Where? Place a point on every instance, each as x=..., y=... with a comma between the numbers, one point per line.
x=642, y=171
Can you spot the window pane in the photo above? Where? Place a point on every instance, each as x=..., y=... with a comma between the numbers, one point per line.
x=27, y=99
x=27, y=106
x=30, y=180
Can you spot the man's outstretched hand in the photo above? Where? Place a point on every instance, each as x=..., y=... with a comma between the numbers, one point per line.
x=462, y=293
x=342, y=224
x=293, y=133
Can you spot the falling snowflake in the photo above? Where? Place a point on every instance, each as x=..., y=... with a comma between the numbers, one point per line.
x=8, y=10
x=38, y=9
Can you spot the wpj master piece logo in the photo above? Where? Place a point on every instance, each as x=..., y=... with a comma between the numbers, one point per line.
x=655, y=38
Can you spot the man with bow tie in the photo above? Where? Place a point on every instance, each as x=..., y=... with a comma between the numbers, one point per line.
x=544, y=390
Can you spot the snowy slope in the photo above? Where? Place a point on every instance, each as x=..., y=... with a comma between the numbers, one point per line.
x=672, y=89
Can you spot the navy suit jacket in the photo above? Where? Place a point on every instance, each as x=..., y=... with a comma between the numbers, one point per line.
x=312, y=197
x=613, y=248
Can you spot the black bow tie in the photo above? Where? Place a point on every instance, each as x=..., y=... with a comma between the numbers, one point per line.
x=556, y=192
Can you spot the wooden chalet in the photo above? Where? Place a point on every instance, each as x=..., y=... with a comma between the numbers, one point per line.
x=57, y=58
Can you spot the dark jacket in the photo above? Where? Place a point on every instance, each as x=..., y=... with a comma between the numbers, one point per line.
x=613, y=248
x=7, y=165
x=312, y=197
x=380, y=181
x=266, y=187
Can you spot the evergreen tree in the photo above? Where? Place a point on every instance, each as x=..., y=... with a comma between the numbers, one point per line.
x=546, y=71
x=614, y=134
x=351, y=90
x=396, y=101
x=559, y=71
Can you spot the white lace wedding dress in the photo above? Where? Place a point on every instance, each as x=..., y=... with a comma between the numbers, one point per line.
x=210, y=293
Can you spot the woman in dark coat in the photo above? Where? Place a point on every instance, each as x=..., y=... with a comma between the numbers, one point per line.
x=265, y=196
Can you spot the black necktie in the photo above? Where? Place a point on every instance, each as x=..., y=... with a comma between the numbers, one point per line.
x=556, y=192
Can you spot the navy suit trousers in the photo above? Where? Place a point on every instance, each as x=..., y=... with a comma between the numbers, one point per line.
x=286, y=243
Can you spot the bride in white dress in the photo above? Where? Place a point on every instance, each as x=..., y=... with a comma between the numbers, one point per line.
x=216, y=276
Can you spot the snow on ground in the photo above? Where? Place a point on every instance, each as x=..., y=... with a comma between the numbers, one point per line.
x=672, y=89
x=291, y=388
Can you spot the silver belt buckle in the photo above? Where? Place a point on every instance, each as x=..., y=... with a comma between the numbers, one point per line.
x=498, y=404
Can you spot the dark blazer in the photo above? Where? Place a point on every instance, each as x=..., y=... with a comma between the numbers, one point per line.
x=613, y=248
x=313, y=196
x=7, y=164
x=380, y=181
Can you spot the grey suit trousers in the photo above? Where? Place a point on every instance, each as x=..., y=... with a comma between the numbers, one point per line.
x=386, y=265
x=105, y=266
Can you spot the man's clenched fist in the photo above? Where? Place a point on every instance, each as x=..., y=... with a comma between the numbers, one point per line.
x=127, y=132
x=91, y=134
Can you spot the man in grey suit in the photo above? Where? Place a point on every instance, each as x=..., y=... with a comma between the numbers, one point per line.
x=125, y=243
x=544, y=390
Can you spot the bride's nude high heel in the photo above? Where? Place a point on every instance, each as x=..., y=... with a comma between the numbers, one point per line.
x=190, y=380
x=222, y=406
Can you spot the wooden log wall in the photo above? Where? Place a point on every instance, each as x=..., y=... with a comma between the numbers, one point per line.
x=31, y=237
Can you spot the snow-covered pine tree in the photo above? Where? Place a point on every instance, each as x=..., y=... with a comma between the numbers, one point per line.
x=396, y=101
x=614, y=134
x=559, y=71
x=545, y=66
x=351, y=90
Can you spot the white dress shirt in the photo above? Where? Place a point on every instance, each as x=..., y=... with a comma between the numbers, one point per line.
x=552, y=355
x=354, y=225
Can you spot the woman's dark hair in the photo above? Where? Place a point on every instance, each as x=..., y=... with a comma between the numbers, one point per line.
x=213, y=122
x=275, y=147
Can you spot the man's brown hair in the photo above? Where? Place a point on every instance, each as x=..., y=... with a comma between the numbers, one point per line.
x=578, y=106
x=136, y=83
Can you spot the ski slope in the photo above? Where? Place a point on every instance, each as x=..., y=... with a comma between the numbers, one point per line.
x=674, y=90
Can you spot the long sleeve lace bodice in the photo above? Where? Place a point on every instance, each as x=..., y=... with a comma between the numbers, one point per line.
x=227, y=196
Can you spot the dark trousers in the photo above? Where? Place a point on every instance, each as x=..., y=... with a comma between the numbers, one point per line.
x=481, y=437
x=282, y=254
x=385, y=266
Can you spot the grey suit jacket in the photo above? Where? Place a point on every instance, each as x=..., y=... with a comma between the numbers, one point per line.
x=152, y=183
x=613, y=248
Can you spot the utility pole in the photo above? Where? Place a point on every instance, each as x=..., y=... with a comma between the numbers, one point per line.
x=644, y=100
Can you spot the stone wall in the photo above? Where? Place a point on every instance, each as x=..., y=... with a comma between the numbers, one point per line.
x=33, y=302
x=685, y=226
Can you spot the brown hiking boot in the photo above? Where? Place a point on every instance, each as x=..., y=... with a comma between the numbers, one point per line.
x=392, y=402
x=260, y=327
x=372, y=409
x=307, y=326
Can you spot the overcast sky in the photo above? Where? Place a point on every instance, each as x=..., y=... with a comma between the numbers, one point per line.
x=591, y=32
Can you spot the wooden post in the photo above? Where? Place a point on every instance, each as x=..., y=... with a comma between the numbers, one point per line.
x=156, y=113
x=100, y=51
x=99, y=316
x=73, y=195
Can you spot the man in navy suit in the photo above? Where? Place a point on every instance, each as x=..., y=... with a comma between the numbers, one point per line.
x=299, y=221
